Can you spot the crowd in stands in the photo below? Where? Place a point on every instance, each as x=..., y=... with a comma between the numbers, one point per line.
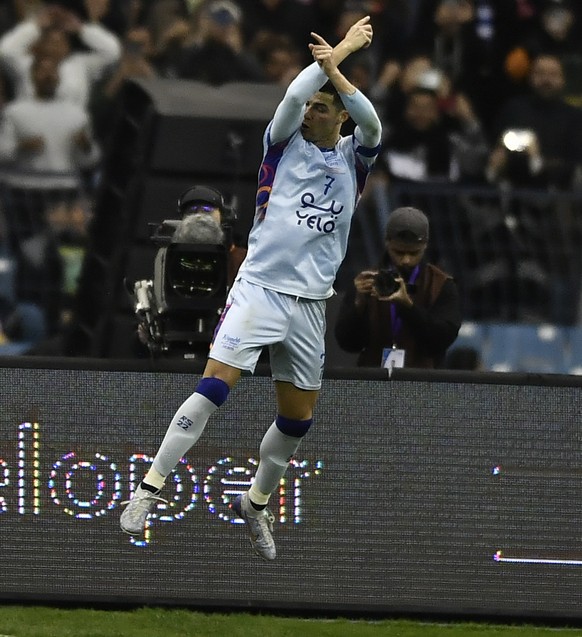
x=478, y=92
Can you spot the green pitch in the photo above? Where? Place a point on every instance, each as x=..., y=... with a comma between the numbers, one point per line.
x=33, y=621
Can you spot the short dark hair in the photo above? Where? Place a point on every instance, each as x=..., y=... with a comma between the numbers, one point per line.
x=330, y=89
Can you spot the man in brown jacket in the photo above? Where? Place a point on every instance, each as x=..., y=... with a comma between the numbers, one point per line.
x=407, y=312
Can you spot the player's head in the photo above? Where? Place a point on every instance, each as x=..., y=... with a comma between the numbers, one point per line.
x=324, y=115
x=329, y=89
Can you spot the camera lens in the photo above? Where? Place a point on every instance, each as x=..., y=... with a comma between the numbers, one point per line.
x=193, y=275
x=385, y=283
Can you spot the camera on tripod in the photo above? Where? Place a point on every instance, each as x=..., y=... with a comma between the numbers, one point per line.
x=178, y=309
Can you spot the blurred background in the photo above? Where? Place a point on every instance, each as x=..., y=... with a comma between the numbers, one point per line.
x=111, y=109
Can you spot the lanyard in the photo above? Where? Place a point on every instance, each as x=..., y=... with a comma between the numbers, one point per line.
x=396, y=321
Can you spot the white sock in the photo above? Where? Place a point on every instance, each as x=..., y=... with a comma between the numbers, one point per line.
x=154, y=478
x=276, y=451
x=186, y=427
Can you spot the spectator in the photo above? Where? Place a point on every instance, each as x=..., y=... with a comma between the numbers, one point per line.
x=135, y=62
x=413, y=318
x=463, y=39
x=432, y=143
x=21, y=324
x=173, y=25
x=278, y=17
x=158, y=16
x=396, y=23
x=113, y=14
x=514, y=19
x=557, y=31
x=279, y=58
x=50, y=34
x=219, y=55
x=395, y=82
x=68, y=225
x=544, y=147
x=45, y=139
x=43, y=142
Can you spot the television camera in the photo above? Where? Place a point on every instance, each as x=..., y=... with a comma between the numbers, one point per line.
x=178, y=309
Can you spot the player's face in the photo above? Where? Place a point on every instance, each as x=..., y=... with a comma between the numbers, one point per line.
x=322, y=121
x=405, y=256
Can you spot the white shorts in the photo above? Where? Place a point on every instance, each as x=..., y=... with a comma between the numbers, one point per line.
x=292, y=328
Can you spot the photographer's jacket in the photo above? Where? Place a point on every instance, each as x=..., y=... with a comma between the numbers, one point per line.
x=427, y=328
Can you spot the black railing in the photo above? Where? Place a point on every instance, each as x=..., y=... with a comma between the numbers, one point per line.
x=515, y=254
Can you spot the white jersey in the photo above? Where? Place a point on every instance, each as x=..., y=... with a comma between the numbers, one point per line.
x=305, y=201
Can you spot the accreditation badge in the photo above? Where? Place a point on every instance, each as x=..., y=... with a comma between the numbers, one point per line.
x=392, y=357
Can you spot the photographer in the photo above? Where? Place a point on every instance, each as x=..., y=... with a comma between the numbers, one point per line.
x=406, y=313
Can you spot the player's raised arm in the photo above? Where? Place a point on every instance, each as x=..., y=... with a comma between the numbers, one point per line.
x=359, y=36
x=368, y=126
x=289, y=113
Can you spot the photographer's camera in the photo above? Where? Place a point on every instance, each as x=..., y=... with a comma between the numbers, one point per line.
x=386, y=282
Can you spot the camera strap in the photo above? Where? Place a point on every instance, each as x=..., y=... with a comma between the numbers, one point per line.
x=395, y=319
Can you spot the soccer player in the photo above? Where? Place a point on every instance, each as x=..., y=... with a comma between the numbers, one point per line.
x=310, y=181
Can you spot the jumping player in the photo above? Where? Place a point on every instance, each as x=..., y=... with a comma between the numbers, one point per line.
x=310, y=181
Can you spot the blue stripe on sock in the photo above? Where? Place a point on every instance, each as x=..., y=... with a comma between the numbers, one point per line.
x=290, y=427
x=214, y=389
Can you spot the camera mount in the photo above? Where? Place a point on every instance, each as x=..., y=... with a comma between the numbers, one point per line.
x=179, y=308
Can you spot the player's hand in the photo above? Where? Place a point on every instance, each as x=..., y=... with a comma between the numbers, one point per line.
x=322, y=52
x=359, y=35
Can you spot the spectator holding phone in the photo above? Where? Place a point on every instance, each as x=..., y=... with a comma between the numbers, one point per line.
x=538, y=138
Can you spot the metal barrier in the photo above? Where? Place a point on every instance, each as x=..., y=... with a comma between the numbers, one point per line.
x=42, y=239
x=515, y=254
